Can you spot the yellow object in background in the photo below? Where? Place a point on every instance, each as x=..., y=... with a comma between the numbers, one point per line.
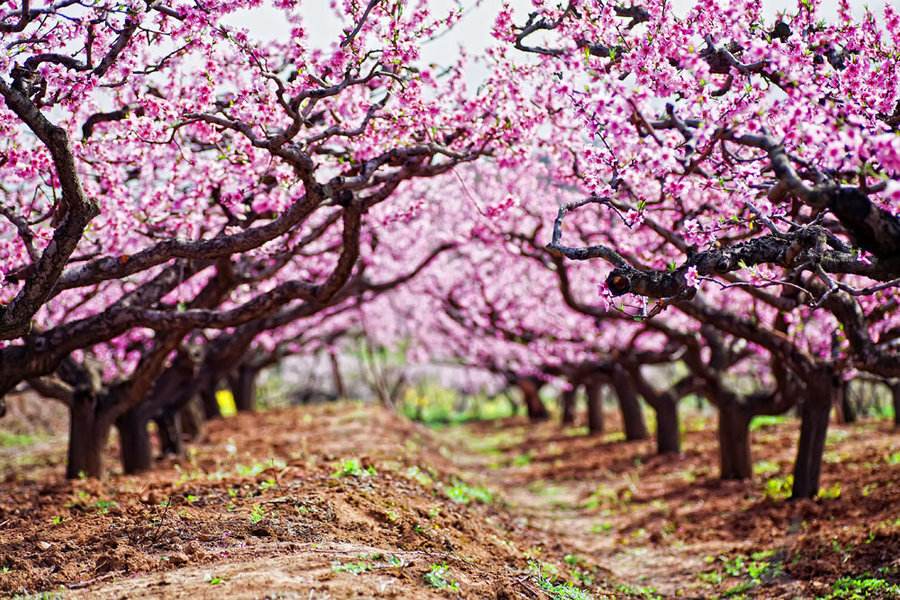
x=225, y=400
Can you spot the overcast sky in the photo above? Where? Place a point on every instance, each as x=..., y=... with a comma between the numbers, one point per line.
x=473, y=31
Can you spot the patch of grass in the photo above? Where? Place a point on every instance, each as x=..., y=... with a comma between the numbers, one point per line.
x=893, y=458
x=103, y=506
x=763, y=421
x=779, y=488
x=522, y=460
x=862, y=587
x=766, y=467
x=548, y=580
x=257, y=514
x=438, y=577
x=420, y=476
x=641, y=592
x=831, y=492
x=354, y=568
x=352, y=467
x=463, y=493
x=604, y=527
x=8, y=439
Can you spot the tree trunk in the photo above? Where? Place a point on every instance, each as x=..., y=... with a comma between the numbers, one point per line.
x=532, y=398
x=895, y=399
x=191, y=417
x=136, y=450
x=336, y=376
x=814, y=416
x=209, y=402
x=594, y=393
x=735, y=460
x=668, y=436
x=848, y=409
x=567, y=403
x=243, y=388
x=632, y=415
x=87, y=437
x=171, y=437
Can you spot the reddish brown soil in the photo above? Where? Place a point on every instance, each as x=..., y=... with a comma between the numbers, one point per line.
x=257, y=511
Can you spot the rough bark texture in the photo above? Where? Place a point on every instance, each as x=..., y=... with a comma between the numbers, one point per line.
x=632, y=415
x=594, y=393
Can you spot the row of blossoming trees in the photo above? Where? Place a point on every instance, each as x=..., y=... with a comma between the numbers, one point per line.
x=184, y=205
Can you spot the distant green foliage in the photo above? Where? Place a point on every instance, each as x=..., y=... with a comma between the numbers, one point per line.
x=438, y=577
x=435, y=405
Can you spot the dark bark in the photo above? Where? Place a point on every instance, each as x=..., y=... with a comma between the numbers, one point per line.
x=895, y=399
x=567, y=405
x=243, y=388
x=630, y=406
x=209, y=402
x=668, y=436
x=814, y=413
x=531, y=396
x=735, y=459
x=136, y=450
x=171, y=436
x=88, y=433
x=848, y=408
x=594, y=393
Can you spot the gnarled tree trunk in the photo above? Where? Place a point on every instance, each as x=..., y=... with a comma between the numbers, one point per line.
x=895, y=399
x=668, y=436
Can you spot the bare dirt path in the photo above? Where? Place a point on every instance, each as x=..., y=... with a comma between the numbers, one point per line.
x=348, y=501
x=665, y=527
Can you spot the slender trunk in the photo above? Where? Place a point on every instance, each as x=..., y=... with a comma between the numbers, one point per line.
x=336, y=376
x=813, y=429
x=191, y=417
x=735, y=460
x=87, y=437
x=532, y=398
x=209, y=402
x=243, y=388
x=668, y=436
x=895, y=399
x=629, y=405
x=848, y=409
x=594, y=393
x=567, y=403
x=136, y=450
x=171, y=442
